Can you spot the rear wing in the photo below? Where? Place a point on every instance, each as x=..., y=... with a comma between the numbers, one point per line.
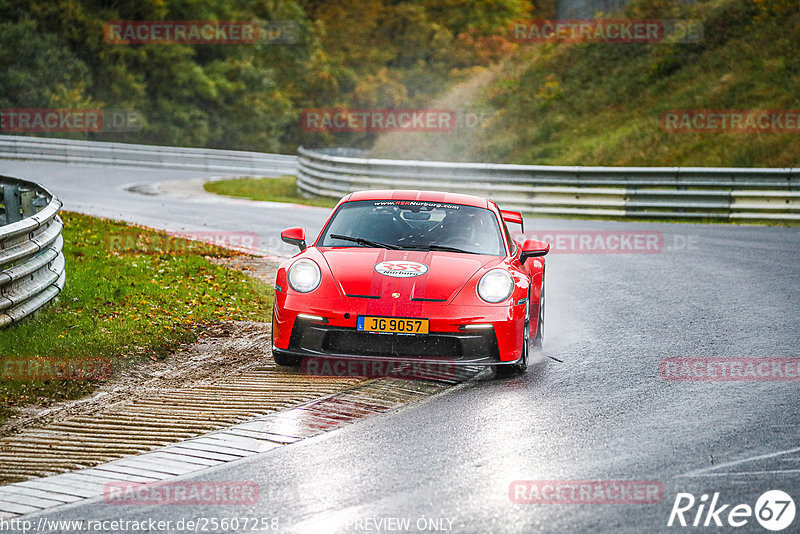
x=514, y=217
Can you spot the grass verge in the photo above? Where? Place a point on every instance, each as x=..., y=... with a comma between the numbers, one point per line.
x=283, y=189
x=132, y=295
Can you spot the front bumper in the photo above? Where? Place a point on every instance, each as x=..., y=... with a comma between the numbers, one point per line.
x=316, y=339
x=310, y=325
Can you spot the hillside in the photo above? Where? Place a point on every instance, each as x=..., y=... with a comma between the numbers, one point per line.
x=601, y=103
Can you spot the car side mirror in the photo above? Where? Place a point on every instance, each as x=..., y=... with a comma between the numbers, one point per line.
x=295, y=236
x=533, y=248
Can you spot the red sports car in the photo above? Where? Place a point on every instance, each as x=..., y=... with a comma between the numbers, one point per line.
x=412, y=276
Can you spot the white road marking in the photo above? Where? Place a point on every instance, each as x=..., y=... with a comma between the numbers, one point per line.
x=737, y=473
x=702, y=471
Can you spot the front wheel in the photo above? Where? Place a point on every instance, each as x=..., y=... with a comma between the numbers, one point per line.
x=287, y=360
x=539, y=339
x=505, y=371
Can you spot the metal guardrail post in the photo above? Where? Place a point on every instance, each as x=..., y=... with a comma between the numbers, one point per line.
x=11, y=201
x=26, y=197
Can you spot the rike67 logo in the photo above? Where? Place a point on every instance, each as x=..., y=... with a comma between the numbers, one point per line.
x=774, y=510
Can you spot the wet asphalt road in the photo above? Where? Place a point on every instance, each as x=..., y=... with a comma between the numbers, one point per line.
x=104, y=191
x=605, y=413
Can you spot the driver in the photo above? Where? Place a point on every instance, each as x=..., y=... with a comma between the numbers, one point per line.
x=457, y=227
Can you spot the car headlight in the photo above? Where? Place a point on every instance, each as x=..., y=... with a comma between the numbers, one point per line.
x=304, y=276
x=495, y=286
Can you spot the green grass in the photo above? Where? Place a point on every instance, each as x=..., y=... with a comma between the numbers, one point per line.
x=131, y=295
x=283, y=189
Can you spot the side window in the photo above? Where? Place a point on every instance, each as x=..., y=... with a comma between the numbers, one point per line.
x=511, y=242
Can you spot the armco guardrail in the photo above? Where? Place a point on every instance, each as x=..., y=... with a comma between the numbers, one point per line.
x=614, y=192
x=123, y=154
x=32, y=269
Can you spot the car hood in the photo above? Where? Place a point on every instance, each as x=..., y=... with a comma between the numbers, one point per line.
x=354, y=270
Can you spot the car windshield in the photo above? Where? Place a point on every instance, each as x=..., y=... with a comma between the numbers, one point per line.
x=413, y=225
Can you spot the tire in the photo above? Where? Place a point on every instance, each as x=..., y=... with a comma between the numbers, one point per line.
x=506, y=371
x=286, y=360
x=538, y=341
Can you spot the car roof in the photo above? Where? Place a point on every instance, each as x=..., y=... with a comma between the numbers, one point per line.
x=420, y=196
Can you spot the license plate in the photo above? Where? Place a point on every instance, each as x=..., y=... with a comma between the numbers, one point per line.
x=396, y=325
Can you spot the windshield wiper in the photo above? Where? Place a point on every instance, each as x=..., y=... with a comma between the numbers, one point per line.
x=443, y=248
x=365, y=242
